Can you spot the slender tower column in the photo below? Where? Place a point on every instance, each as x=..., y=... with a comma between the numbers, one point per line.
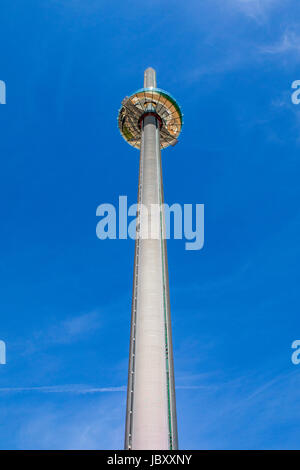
x=151, y=410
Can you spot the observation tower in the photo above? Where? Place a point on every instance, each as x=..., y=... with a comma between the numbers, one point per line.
x=150, y=120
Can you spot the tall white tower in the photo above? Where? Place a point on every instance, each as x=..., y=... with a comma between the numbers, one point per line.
x=150, y=120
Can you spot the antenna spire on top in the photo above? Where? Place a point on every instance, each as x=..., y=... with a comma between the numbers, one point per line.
x=149, y=78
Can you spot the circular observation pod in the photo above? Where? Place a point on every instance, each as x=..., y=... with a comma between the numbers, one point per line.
x=150, y=101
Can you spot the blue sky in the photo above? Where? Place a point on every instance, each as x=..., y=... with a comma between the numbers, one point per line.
x=65, y=295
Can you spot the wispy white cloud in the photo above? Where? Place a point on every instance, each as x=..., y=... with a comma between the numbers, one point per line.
x=93, y=423
x=288, y=43
x=77, y=389
x=247, y=408
x=73, y=328
x=67, y=331
x=233, y=41
x=255, y=9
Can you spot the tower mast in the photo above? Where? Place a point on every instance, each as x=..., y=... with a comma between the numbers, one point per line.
x=150, y=120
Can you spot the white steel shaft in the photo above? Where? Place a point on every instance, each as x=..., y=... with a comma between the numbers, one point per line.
x=151, y=411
